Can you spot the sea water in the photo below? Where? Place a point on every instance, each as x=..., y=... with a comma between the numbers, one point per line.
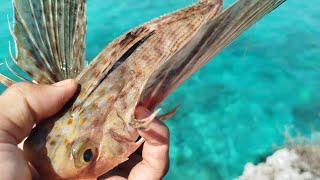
x=237, y=108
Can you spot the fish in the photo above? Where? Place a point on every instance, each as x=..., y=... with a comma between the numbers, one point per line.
x=97, y=129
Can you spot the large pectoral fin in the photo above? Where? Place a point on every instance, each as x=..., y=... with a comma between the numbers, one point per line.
x=5, y=80
x=50, y=38
x=211, y=39
x=108, y=61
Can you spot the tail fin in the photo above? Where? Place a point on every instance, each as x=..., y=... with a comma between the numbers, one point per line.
x=211, y=39
x=50, y=38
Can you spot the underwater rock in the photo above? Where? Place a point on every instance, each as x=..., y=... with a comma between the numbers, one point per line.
x=309, y=158
x=300, y=163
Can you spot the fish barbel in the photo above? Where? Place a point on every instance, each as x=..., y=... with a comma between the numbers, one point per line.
x=97, y=130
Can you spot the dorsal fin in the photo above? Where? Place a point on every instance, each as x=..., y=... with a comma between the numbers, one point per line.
x=50, y=38
x=211, y=39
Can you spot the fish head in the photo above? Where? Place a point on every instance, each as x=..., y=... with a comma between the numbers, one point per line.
x=81, y=147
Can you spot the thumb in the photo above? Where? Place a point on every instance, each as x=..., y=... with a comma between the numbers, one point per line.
x=24, y=104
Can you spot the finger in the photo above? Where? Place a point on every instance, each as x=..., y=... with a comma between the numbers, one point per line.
x=34, y=173
x=155, y=153
x=24, y=104
x=122, y=170
x=11, y=160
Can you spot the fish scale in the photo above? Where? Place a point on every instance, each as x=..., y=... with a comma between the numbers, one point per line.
x=140, y=68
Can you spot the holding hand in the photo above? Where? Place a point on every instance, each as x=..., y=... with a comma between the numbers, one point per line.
x=25, y=104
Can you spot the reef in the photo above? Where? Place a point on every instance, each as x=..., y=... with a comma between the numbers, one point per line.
x=291, y=163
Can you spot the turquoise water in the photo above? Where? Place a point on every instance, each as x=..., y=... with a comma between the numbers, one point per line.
x=235, y=109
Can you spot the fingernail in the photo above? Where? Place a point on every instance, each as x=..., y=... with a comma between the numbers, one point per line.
x=64, y=82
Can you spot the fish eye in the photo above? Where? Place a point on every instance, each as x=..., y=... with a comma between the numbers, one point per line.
x=87, y=155
x=84, y=152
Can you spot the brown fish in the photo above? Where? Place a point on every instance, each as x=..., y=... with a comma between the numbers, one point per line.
x=97, y=130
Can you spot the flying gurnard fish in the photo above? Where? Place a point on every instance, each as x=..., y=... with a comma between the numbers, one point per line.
x=140, y=68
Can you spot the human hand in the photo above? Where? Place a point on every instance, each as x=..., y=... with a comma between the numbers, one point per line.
x=151, y=160
x=25, y=104
x=21, y=106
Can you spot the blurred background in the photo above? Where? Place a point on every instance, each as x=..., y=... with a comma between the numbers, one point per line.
x=237, y=108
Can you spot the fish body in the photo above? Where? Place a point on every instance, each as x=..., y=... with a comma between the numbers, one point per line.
x=97, y=130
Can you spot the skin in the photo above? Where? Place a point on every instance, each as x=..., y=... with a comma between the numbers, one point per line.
x=25, y=104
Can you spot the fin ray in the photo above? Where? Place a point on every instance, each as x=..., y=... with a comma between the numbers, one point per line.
x=5, y=80
x=13, y=72
x=43, y=38
x=92, y=76
x=210, y=39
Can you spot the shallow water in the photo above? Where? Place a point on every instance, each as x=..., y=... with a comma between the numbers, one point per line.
x=238, y=106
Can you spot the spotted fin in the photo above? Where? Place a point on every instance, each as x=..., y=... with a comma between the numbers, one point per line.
x=95, y=77
x=50, y=38
x=211, y=39
x=106, y=61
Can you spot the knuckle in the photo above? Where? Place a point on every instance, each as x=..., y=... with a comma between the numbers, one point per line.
x=166, y=129
x=21, y=91
x=19, y=117
x=158, y=170
x=20, y=88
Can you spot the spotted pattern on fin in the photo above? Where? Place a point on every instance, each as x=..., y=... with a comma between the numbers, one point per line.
x=211, y=39
x=50, y=38
x=93, y=75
